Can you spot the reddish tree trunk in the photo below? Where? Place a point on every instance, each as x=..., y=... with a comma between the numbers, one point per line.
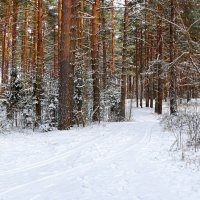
x=136, y=67
x=35, y=36
x=59, y=37
x=25, y=50
x=159, y=95
x=95, y=65
x=112, y=44
x=66, y=74
x=104, y=78
x=141, y=67
x=172, y=90
x=14, y=34
x=124, y=63
x=40, y=64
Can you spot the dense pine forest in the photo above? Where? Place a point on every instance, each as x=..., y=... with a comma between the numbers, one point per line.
x=73, y=62
x=100, y=99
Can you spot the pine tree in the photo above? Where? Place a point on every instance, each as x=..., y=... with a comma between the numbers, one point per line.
x=66, y=73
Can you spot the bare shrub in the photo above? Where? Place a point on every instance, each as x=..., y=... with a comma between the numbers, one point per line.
x=185, y=126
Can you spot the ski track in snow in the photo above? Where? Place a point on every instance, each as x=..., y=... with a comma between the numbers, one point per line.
x=113, y=161
x=60, y=156
x=76, y=169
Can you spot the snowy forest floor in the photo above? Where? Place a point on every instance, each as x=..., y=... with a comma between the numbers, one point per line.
x=110, y=161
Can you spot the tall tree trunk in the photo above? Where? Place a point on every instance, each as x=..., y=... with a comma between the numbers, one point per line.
x=81, y=24
x=104, y=78
x=8, y=41
x=13, y=73
x=172, y=90
x=159, y=93
x=25, y=50
x=147, y=85
x=124, y=63
x=14, y=35
x=95, y=65
x=146, y=47
x=55, y=55
x=151, y=76
x=40, y=65
x=66, y=74
x=2, y=52
x=141, y=67
x=136, y=66
x=59, y=36
x=112, y=44
x=4, y=72
x=35, y=36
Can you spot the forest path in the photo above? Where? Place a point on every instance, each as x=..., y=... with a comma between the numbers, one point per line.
x=110, y=161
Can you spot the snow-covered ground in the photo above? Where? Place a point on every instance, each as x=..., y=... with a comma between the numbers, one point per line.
x=110, y=161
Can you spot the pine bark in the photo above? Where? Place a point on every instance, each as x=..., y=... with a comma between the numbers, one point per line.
x=95, y=64
x=136, y=66
x=14, y=34
x=172, y=90
x=35, y=36
x=152, y=75
x=112, y=34
x=124, y=63
x=4, y=71
x=159, y=92
x=104, y=77
x=25, y=49
x=59, y=37
x=13, y=74
x=66, y=73
x=40, y=65
x=8, y=41
x=141, y=67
